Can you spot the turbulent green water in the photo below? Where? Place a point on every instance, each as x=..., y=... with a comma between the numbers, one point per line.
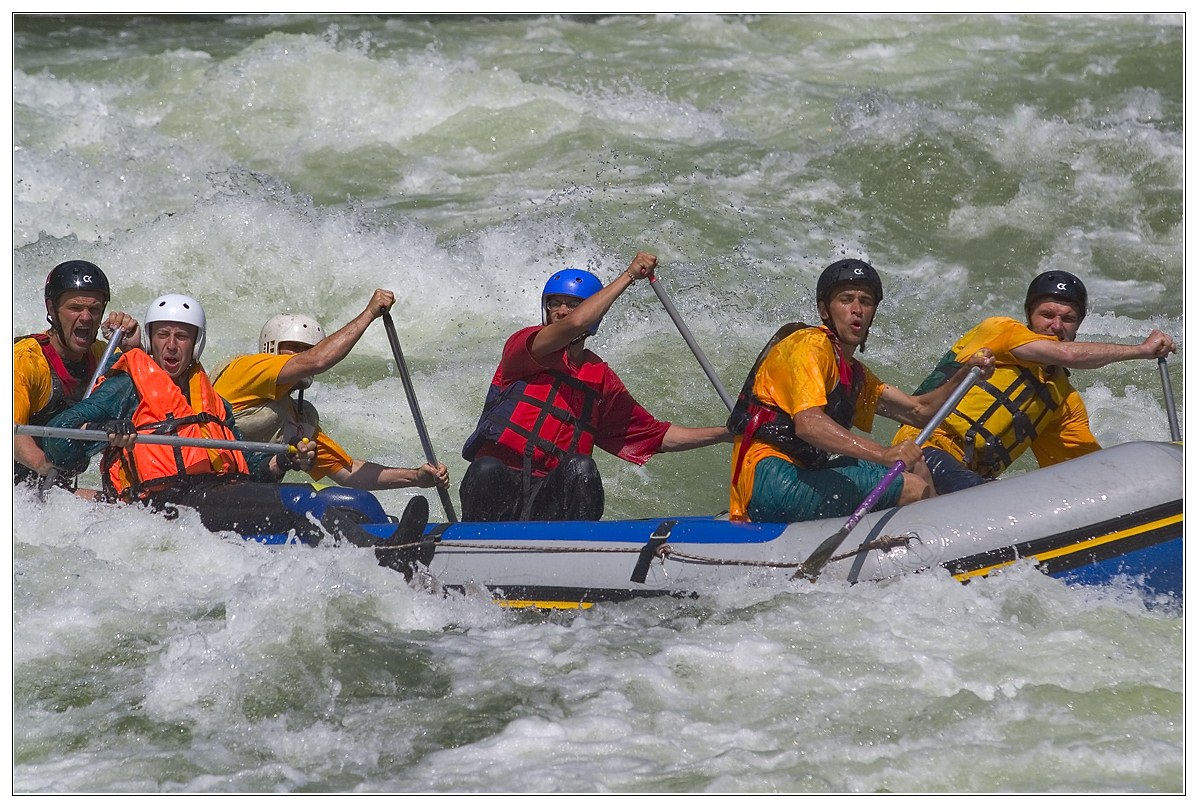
x=264, y=163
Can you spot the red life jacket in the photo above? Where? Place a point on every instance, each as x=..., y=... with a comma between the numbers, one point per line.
x=164, y=410
x=542, y=418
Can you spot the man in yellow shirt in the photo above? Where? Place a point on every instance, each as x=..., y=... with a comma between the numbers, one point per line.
x=795, y=456
x=294, y=349
x=51, y=370
x=1029, y=401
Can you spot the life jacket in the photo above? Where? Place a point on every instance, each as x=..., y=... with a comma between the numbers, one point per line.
x=753, y=419
x=65, y=389
x=282, y=420
x=536, y=418
x=279, y=420
x=997, y=427
x=162, y=409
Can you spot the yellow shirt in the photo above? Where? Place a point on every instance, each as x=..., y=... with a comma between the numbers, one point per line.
x=796, y=375
x=1061, y=433
x=32, y=378
x=252, y=381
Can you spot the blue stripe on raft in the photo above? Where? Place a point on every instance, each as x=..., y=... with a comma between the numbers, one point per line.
x=1157, y=569
x=699, y=530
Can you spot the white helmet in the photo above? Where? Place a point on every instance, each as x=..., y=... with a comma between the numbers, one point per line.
x=179, y=309
x=289, y=329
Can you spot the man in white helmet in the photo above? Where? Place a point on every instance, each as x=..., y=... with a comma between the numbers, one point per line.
x=163, y=389
x=292, y=350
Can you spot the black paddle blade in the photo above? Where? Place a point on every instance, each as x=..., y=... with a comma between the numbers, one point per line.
x=810, y=568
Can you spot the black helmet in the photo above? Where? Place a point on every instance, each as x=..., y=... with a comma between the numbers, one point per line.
x=848, y=271
x=76, y=276
x=1059, y=285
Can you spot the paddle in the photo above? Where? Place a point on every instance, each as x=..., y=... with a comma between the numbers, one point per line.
x=1171, y=411
x=811, y=566
x=695, y=349
x=46, y=482
x=101, y=436
x=112, y=346
x=402, y=367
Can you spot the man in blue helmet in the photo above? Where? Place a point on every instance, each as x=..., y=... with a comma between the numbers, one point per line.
x=551, y=401
x=1029, y=402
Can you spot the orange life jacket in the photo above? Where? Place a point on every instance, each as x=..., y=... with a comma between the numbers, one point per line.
x=162, y=409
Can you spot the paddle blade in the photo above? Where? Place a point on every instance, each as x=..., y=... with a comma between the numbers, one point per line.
x=810, y=568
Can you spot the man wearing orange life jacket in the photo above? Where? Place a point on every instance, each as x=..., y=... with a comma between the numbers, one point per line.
x=795, y=456
x=167, y=391
x=51, y=370
x=551, y=402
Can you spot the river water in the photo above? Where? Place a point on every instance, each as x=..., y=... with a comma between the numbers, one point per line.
x=270, y=163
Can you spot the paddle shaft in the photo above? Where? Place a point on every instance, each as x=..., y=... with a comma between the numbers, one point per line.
x=406, y=378
x=112, y=346
x=812, y=565
x=695, y=349
x=1168, y=390
x=100, y=436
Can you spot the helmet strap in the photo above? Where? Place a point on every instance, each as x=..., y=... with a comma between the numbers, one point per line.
x=52, y=319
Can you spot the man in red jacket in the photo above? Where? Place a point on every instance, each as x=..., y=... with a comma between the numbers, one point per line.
x=551, y=401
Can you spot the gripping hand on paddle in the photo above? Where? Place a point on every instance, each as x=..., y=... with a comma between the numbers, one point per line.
x=300, y=456
x=643, y=266
x=121, y=432
x=131, y=336
x=381, y=301
x=906, y=451
x=983, y=358
x=429, y=475
x=1158, y=344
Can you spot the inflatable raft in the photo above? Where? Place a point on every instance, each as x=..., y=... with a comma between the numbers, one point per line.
x=1111, y=516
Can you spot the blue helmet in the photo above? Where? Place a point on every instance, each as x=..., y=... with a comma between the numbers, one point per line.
x=575, y=283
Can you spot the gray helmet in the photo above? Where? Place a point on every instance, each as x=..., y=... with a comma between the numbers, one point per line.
x=288, y=328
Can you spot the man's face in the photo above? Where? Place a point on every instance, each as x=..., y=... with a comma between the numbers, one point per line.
x=558, y=307
x=1054, y=318
x=171, y=346
x=79, y=315
x=292, y=347
x=850, y=311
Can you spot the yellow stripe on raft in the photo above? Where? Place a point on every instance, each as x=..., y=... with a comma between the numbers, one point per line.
x=544, y=605
x=1076, y=547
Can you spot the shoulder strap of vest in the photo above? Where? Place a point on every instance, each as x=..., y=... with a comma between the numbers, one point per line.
x=58, y=366
x=584, y=423
x=738, y=418
x=1015, y=400
x=64, y=387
